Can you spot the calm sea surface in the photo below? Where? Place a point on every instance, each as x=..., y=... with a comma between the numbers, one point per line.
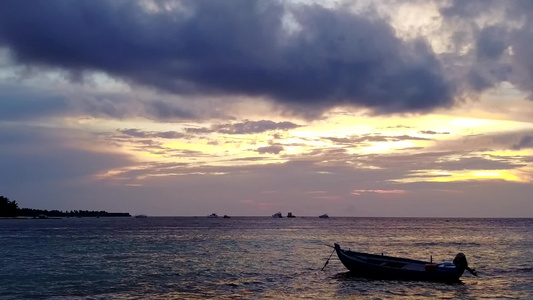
x=254, y=258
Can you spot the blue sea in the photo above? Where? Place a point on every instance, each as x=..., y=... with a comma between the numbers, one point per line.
x=254, y=257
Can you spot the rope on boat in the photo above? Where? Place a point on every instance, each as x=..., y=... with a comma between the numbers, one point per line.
x=327, y=261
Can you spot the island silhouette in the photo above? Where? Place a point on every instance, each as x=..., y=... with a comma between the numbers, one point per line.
x=10, y=209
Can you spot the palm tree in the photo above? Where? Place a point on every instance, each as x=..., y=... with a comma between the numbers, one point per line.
x=8, y=208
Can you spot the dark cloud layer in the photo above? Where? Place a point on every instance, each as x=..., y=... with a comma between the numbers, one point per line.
x=502, y=50
x=23, y=103
x=302, y=56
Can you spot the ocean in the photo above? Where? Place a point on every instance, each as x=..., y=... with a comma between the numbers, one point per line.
x=255, y=257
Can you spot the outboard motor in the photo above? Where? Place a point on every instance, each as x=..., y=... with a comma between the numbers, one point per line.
x=460, y=262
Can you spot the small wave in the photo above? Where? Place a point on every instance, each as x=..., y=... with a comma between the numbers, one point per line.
x=467, y=244
x=514, y=270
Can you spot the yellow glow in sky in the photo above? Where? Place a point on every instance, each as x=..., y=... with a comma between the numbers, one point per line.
x=452, y=176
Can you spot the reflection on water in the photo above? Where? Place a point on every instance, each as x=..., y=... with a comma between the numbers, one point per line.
x=354, y=287
x=186, y=258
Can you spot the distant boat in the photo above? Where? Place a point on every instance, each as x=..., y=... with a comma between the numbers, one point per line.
x=290, y=215
x=388, y=267
x=141, y=216
x=42, y=217
x=213, y=215
x=226, y=217
x=324, y=216
x=277, y=215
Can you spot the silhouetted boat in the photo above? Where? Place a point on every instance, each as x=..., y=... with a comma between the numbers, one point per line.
x=213, y=215
x=387, y=267
x=324, y=216
x=226, y=217
x=277, y=215
x=41, y=217
x=290, y=215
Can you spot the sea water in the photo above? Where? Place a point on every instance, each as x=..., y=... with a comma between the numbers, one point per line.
x=254, y=257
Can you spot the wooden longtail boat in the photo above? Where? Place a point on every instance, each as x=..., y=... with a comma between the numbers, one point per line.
x=388, y=267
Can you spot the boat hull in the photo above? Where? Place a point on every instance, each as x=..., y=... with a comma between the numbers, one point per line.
x=384, y=267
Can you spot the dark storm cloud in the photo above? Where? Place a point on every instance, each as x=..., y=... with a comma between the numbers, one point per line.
x=246, y=127
x=502, y=50
x=304, y=57
x=491, y=43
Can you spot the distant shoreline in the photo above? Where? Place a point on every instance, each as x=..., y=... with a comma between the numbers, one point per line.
x=58, y=218
x=10, y=209
x=36, y=213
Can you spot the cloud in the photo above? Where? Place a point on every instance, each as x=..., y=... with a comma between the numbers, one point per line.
x=246, y=127
x=498, y=34
x=432, y=132
x=525, y=142
x=366, y=139
x=491, y=43
x=162, y=110
x=151, y=134
x=198, y=130
x=477, y=163
x=250, y=127
x=20, y=102
x=444, y=161
x=303, y=57
x=270, y=149
x=122, y=106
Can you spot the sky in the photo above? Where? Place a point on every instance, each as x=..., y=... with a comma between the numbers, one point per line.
x=392, y=108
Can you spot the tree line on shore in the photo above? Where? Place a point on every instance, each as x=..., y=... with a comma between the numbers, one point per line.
x=10, y=208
